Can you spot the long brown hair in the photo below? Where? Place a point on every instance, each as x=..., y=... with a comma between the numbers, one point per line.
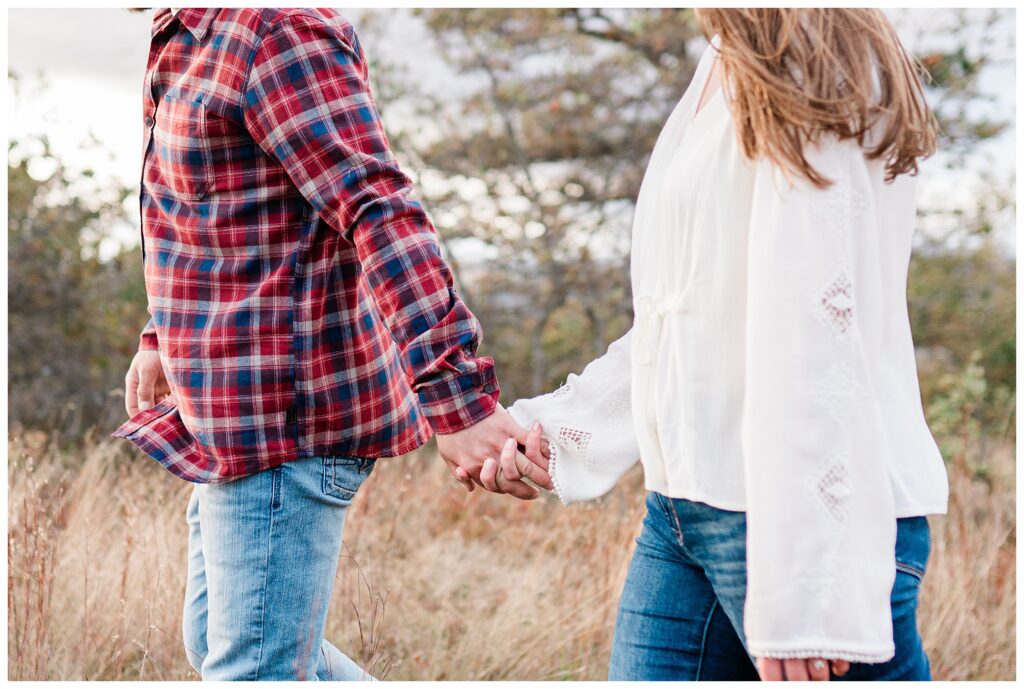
x=795, y=74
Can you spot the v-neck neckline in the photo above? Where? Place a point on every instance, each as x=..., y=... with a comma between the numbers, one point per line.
x=710, y=102
x=704, y=100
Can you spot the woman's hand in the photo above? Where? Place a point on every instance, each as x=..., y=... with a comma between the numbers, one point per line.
x=513, y=464
x=800, y=669
x=536, y=448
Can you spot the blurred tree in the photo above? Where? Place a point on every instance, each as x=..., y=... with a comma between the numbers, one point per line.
x=963, y=309
x=74, y=317
x=537, y=166
x=954, y=58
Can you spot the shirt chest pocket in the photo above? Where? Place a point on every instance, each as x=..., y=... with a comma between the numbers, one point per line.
x=183, y=148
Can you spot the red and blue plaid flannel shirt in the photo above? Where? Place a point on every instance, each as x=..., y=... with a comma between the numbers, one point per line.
x=299, y=300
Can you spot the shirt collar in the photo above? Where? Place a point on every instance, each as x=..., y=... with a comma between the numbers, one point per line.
x=161, y=18
x=196, y=19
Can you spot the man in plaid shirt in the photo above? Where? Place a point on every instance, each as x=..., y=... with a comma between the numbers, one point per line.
x=303, y=324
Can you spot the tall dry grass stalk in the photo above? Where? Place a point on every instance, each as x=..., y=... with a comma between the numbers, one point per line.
x=433, y=583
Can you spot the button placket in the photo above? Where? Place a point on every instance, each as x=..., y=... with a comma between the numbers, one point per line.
x=149, y=122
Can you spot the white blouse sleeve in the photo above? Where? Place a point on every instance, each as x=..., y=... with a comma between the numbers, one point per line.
x=588, y=424
x=820, y=515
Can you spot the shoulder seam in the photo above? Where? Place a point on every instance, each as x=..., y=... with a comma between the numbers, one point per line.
x=266, y=27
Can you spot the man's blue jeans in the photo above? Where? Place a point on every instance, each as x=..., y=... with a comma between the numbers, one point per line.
x=262, y=556
x=681, y=612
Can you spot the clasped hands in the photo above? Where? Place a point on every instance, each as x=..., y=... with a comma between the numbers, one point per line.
x=499, y=455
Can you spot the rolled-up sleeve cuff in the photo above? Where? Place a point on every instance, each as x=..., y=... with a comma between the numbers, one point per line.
x=147, y=341
x=461, y=399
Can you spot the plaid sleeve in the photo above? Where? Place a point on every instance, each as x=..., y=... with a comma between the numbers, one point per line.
x=308, y=105
x=147, y=339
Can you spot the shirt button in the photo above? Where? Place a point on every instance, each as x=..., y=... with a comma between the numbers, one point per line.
x=150, y=122
x=490, y=388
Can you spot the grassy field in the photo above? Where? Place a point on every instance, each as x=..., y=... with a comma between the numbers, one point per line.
x=434, y=583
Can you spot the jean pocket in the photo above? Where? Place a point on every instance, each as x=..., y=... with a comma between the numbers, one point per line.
x=344, y=475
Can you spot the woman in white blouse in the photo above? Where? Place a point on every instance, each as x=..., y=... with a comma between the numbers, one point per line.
x=768, y=384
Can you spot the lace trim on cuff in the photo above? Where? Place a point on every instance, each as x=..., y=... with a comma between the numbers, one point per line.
x=833, y=654
x=553, y=451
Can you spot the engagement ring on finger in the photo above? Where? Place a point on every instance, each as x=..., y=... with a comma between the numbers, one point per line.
x=818, y=665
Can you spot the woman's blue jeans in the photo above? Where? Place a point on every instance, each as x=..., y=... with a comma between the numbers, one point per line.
x=262, y=557
x=681, y=612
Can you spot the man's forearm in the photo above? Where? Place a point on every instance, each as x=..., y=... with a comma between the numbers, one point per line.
x=436, y=333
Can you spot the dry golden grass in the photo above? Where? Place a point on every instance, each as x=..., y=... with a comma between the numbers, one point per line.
x=435, y=583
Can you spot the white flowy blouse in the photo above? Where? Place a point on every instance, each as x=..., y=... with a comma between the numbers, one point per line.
x=770, y=369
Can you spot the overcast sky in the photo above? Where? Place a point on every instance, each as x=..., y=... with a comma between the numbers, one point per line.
x=92, y=62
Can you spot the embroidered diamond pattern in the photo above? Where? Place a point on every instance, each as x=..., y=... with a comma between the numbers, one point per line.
x=833, y=491
x=835, y=305
x=839, y=392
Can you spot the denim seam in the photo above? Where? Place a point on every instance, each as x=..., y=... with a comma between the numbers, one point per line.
x=704, y=639
x=910, y=569
x=333, y=487
x=328, y=477
x=327, y=664
x=274, y=487
x=336, y=489
x=679, y=526
x=666, y=506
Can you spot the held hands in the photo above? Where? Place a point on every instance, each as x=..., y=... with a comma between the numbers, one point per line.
x=145, y=384
x=800, y=669
x=470, y=455
x=493, y=472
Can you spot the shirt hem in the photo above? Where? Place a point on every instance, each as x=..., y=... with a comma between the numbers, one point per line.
x=415, y=443
x=902, y=511
x=921, y=510
x=697, y=496
x=871, y=656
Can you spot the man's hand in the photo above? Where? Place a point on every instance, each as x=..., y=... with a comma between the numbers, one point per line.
x=800, y=669
x=145, y=384
x=466, y=451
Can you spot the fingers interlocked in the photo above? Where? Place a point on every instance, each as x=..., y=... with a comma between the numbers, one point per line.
x=494, y=478
x=523, y=456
